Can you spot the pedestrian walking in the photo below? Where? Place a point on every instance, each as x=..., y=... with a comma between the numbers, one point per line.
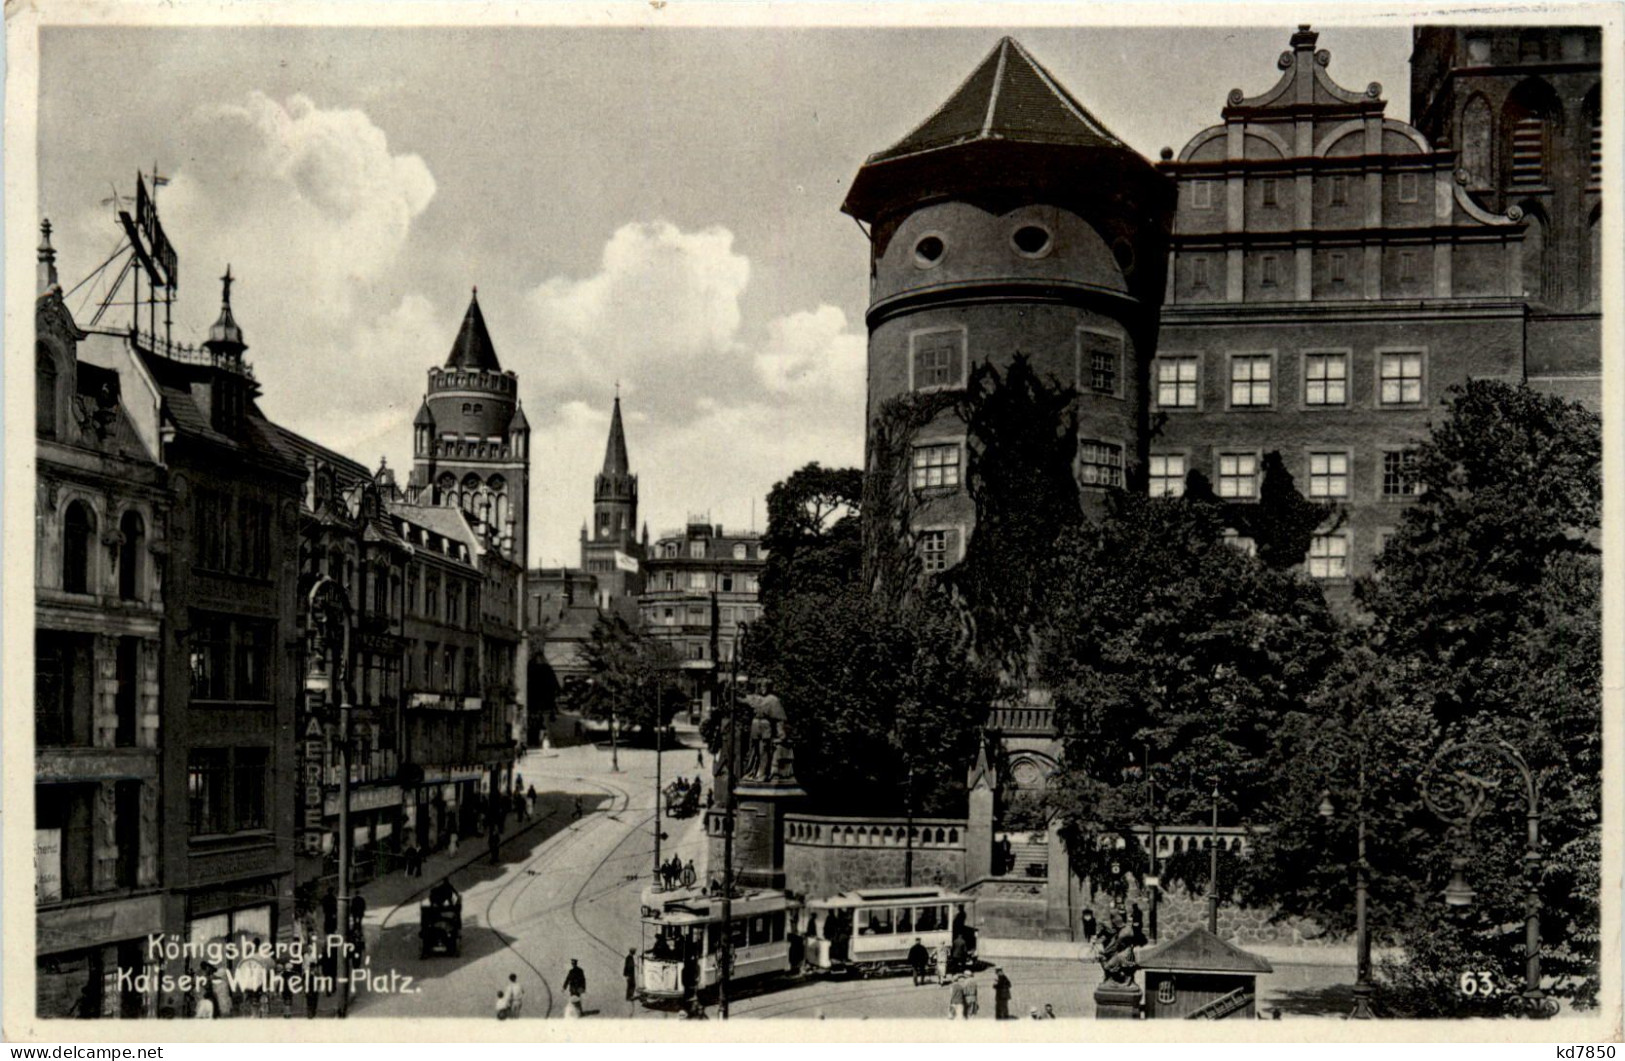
x=942, y=963
x=699, y=758
x=575, y=981
x=918, y=959
x=690, y=875
x=956, y=999
x=502, y=1004
x=1090, y=926
x=414, y=858
x=516, y=995
x=530, y=802
x=495, y=841
x=451, y=844
x=577, y=815
x=1137, y=921
x=630, y=971
x=970, y=995
x=1001, y=995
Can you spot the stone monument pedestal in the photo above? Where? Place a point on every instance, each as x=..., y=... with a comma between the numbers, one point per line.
x=759, y=811
x=1117, y=1001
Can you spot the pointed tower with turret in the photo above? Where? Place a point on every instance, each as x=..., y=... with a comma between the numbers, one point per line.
x=610, y=549
x=471, y=441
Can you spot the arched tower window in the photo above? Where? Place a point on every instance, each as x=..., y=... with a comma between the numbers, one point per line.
x=1477, y=136
x=447, y=487
x=1529, y=124
x=134, y=532
x=45, y=376
x=78, y=531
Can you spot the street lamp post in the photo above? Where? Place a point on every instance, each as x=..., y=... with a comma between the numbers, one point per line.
x=731, y=749
x=1362, y=884
x=1213, y=869
x=614, y=724
x=1151, y=822
x=1458, y=797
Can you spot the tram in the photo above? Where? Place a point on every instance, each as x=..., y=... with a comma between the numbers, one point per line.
x=686, y=925
x=870, y=931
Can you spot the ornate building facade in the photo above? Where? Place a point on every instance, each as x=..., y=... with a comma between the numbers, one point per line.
x=102, y=510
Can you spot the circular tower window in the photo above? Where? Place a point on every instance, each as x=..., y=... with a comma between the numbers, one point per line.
x=928, y=252
x=1123, y=251
x=1032, y=241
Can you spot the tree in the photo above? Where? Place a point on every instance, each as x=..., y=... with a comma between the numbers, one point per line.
x=1487, y=599
x=1483, y=624
x=814, y=540
x=1164, y=639
x=632, y=675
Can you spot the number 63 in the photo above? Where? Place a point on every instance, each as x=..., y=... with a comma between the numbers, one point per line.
x=1476, y=983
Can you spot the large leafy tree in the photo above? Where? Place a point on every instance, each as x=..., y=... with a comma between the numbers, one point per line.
x=814, y=540
x=1165, y=643
x=1487, y=599
x=632, y=676
x=1483, y=625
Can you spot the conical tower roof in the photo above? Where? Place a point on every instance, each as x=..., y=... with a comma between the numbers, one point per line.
x=615, y=459
x=1009, y=127
x=1009, y=96
x=225, y=332
x=473, y=348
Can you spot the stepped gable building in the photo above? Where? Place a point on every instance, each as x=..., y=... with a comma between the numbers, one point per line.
x=1522, y=110
x=101, y=519
x=1012, y=220
x=610, y=550
x=471, y=441
x=1332, y=273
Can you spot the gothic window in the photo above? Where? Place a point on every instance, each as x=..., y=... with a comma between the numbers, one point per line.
x=44, y=391
x=1528, y=122
x=78, y=532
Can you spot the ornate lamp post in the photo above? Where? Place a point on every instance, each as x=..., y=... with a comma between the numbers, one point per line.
x=1455, y=787
x=1213, y=869
x=1362, y=883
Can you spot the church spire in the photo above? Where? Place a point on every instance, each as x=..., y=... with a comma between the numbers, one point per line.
x=226, y=337
x=615, y=459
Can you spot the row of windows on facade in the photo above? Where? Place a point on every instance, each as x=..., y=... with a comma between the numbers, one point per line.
x=1100, y=463
x=65, y=670
x=938, y=361
x=65, y=819
x=699, y=615
x=1326, y=378
x=1328, y=556
x=722, y=581
x=458, y=607
x=79, y=554
x=1270, y=191
x=698, y=651
x=1340, y=268
x=443, y=669
x=697, y=550
x=232, y=535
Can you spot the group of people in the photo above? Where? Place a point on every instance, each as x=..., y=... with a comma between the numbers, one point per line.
x=674, y=872
x=1116, y=941
x=511, y=996
x=964, y=1000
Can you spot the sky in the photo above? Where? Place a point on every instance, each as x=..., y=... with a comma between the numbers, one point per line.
x=654, y=208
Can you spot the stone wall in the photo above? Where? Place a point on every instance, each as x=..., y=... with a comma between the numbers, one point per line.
x=825, y=856
x=1179, y=911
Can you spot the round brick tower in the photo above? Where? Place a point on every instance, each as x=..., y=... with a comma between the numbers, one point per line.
x=471, y=441
x=1012, y=221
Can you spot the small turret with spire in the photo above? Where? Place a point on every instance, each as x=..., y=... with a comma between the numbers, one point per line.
x=230, y=387
x=47, y=260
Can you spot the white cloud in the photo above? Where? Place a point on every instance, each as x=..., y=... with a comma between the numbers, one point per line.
x=713, y=416
x=661, y=315
x=313, y=211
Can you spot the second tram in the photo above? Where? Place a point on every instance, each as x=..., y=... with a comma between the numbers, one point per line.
x=871, y=930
